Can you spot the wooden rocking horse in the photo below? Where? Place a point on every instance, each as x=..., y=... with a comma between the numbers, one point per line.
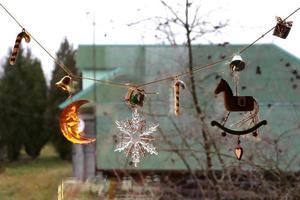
x=239, y=104
x=235, y=103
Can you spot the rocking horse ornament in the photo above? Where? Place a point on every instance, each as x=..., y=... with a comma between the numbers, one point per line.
x=235, y=103
x=239, y=104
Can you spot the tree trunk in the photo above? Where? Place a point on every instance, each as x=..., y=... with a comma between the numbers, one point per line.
x=194, y=92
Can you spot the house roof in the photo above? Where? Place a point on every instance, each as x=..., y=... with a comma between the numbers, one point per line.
x=146, y=61
x=271, y=76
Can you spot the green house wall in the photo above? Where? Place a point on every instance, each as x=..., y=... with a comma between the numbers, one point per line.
x=277, y=89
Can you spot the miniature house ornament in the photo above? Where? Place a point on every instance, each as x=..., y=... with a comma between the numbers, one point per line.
x=135, y=97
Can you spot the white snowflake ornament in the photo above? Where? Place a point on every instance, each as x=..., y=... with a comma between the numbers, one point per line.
x=135, y=137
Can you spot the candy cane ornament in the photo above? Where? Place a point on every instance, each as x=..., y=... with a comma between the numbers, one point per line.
x=176, y=94
x=16, y=48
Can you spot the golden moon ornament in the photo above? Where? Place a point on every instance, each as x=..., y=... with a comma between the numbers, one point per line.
x=70, y=123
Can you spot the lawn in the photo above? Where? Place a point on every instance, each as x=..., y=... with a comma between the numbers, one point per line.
x=34, y=179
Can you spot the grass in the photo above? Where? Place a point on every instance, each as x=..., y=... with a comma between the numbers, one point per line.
x=34, y=179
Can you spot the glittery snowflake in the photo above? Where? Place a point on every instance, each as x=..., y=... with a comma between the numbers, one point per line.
x=135, y=137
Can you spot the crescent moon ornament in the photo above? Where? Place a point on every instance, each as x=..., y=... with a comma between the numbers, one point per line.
x=70, y=124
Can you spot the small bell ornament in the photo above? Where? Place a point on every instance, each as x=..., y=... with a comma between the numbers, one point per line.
x=237, y=63
x=65, y=84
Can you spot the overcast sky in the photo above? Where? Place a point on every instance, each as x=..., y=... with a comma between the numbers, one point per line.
x=51, y=21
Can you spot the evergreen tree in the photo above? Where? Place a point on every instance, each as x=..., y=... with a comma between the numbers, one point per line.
x=36, y=104
x=66, y=55
x=22, y=94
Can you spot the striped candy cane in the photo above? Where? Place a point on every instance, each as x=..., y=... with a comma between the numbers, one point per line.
x=177, y=84
x=16, y=48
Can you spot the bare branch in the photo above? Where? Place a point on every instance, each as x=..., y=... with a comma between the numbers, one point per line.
x=195, y=18
x=177, y=18
x=146, y=20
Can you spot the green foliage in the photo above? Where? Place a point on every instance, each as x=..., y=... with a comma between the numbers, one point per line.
x=66, y=55
x=23, y=93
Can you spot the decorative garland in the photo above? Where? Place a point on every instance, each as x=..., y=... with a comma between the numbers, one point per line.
x=135, y=133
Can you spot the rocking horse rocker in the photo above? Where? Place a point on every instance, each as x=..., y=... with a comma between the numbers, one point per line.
x=239, y=104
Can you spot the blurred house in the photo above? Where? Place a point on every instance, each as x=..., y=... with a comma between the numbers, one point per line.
x=271, y=76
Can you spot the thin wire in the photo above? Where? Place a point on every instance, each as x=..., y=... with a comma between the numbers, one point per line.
x=292, y=14
x=218, y=61
x=11, y=16
x=200, y=68
x=263, y=35
x=186, y=73
x=127, y=85
x=61, y=65
x=250, y=45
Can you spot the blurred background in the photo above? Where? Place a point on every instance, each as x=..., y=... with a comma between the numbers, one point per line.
x=138, y=42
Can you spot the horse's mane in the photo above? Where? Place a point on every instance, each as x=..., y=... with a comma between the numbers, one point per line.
x=228, y=86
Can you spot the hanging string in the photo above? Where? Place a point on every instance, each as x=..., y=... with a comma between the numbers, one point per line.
x=11, y=16
x=196, y=69
x=200, y=68
x=23, y=28
x=263, y=35
x=61, y=65
x=112, y=83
